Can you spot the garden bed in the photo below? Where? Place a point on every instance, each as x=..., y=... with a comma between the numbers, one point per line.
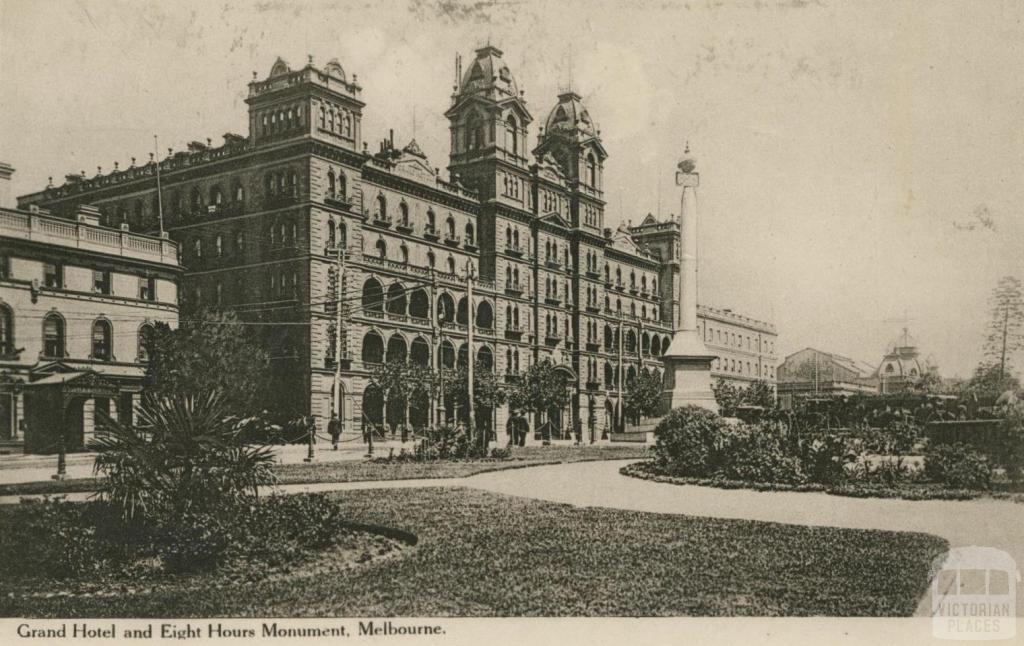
x=33, y=570
x=649, y=470
x=481, y=554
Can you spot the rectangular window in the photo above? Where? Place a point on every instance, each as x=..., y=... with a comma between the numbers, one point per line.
x=53, y=275
x=147, y=289
x=101, y=281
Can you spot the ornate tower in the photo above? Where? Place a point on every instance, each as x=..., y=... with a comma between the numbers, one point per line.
x=309, y=102
x=489, y=122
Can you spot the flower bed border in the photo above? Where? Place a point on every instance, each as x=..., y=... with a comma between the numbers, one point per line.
x=648, y=470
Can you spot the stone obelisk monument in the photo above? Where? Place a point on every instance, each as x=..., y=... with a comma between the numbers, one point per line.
x=688, y=360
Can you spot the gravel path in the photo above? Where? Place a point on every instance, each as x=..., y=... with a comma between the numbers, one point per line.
x=984, y=522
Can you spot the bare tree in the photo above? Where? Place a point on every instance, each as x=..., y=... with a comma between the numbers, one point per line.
x=1006, y=328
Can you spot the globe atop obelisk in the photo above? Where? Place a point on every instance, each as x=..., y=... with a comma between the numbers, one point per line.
x=688, y=360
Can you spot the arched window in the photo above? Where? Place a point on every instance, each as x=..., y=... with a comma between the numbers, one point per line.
x=508, y=237
x=484, y=316
x=101, y=340
x=342, y=186
x=515, y=239
x=431, y=259
x=373, y=348
x=485, y=357
x=382, y=249
x=323, y=117
x=331, y=236
x=474, y=133
x=331, y=184
x=404, y=254
x=238, y=192
x=146, y=332
x=403, y=211
x=431, y=222
x=196, y=201
x=591, y=170
x=451, y=265
x=6, y=331
x=197, y=247
x=382, y=207
x=216, y=197
x=469, y=233
x=373, y=295
x=450, y=224
x=330, y=120
x=293, y=184
x=512, y=131
x=53, y=336
x=342, y=234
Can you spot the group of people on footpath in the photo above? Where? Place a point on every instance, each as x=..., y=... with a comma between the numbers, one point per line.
x=517, y=427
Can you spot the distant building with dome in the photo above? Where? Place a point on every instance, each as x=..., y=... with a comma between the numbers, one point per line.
x=261, y=218
x=901, y=366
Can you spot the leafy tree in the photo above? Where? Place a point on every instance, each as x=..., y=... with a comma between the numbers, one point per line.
x=989, y=381
x=760, y=393
x=211, y=352
x=393, y=379
x=643, y=394
x=488, y=391
x=930, y=381
x=727, y=396
x=541, y=387
x=1006, y=326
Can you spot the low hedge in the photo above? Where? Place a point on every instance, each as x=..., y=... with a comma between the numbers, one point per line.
x=651, y=471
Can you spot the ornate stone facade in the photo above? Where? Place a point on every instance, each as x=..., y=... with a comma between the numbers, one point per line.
x=260, y=218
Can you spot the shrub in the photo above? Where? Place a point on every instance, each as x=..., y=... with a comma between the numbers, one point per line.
x=501, y=453
x=889, y=472
x=757, y=454
x=689, y=441
x=823, y=457
x=958, y=466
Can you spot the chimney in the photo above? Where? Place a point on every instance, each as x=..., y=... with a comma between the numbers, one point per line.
x=6, y=170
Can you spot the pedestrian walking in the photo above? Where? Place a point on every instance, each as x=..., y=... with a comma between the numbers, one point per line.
x=511, y=428
x=334, y=429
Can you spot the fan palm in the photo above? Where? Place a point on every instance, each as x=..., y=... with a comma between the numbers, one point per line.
x=184, y=453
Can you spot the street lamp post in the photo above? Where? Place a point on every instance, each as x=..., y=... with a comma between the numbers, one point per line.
x=470, y=320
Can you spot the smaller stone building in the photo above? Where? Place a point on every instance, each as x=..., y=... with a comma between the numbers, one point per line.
x=76, y=299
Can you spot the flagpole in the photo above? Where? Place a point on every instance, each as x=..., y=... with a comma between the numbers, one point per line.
x=159, y=196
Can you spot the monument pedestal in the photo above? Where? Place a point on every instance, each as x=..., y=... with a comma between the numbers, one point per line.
x=688, y=373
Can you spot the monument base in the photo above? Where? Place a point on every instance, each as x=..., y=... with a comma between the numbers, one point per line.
x=688, y=382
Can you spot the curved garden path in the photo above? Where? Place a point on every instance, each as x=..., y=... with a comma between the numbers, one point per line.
x=983, y=522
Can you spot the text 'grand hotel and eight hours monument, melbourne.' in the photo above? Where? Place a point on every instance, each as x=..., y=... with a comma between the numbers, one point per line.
x=260, y=219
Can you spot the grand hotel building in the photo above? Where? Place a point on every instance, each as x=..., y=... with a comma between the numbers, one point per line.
x=259, y=219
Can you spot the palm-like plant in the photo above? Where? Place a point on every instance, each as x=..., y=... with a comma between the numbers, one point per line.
x=183, y=454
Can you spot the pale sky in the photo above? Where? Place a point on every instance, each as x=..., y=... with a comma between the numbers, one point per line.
x=844, y=148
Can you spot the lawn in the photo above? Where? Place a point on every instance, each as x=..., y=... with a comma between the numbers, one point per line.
x=357, y=470
x=482, y=554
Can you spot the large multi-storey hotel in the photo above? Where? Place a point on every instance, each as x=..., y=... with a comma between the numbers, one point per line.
x=261, y=220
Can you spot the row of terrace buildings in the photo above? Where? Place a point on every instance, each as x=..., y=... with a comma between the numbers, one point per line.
x=299, y=226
